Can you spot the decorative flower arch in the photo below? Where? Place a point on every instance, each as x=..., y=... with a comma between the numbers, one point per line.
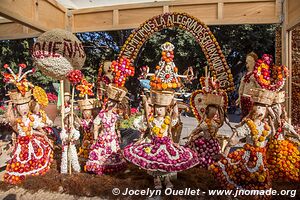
x=200, y=32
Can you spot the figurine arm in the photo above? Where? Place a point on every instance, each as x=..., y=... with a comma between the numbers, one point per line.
x=63, y=135
x=197, y=132
x=75, y=135
x=10, y=115
x=241, y=91
x=96, y=130
x=290, y=129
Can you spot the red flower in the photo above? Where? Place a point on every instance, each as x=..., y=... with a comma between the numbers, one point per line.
x=22, y=65
x=52, y=97
x=75, y=76
x=5, y=66
x=33, y=70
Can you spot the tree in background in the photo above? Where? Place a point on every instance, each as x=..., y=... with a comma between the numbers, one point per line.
x=235, y=41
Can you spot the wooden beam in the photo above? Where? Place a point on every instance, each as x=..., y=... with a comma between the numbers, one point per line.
x=214, y=12
x=13, y=30
x=292, y=13
x=166, y=9
x=220, y=10
x=40, y=15
x=3, y=20
x=115, y=17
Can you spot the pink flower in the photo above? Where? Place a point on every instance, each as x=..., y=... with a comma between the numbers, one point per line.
x=5, y=66
x=52, y=97
x=133, y=110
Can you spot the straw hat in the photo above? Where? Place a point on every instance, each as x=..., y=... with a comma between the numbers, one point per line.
x=115, y=92
x=67, y=94
x=86, y=104
x=262, y=96
x=17, y=98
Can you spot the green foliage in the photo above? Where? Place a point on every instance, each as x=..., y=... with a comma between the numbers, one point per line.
x=98, y=46
x=187, y=50
x=235, y=40
x=14, y=52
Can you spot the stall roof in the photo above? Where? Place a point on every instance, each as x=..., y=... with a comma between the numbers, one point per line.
x=79, y=4
x=23, y=19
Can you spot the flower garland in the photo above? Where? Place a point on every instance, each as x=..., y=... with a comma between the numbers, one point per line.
x=257, y=140
x=40, y=96
x=158, y=131
x=26, y=129
x=85, y=88
x=121, y=70
x=268, y=75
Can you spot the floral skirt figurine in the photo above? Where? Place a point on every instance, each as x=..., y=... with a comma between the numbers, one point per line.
x=104, y=160
x=160, y=155
x=105, y=156
x=244, y=168
x=283, y=159
x=207, y=150
x=32, y=156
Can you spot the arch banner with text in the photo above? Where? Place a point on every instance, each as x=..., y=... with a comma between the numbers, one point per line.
x=200, y=32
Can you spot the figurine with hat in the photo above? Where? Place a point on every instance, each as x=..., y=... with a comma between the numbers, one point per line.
x=246, y=168
x=32, y=154
x=86, y=106
x=105, y=156
x=157, y=153
x=209, y=106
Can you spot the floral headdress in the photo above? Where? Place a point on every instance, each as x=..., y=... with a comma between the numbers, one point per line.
x=19, y=79
x=211, y=94
x=166, y=74
x=122, y=69
x=268, y=75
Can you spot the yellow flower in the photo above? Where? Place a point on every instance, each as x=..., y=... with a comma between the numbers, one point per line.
x=163, y=126
x=156, y=130
x=261, y=178
x=151, y=119
x=147, y=150
x=167, y=121
x=261, y=139
x=265, y=133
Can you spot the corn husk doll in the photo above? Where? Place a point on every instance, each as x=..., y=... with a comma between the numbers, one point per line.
x=32, y=154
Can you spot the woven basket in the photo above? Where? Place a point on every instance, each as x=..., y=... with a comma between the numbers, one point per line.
x=115, y=92
x=87, y=104
x=17, y=97
x=280, y=97
x=162, y=98
x=262, y=96
x=213, y=99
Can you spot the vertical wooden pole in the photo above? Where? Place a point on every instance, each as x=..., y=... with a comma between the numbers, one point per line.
x=62, y=97
x=71, y=127
x=290, y=80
